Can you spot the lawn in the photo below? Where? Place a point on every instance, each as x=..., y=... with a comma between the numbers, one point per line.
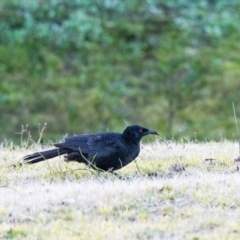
x=172, y=191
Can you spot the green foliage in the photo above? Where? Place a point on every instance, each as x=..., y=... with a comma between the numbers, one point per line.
x=88, y=66
x=13, y=234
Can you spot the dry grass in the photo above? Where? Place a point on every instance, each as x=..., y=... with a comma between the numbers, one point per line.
x=172, y=193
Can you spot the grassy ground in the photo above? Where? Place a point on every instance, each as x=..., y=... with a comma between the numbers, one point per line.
x=173, y=191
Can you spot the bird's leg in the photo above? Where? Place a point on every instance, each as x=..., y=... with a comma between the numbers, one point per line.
x=65, y=158
x=119, y=176
x=111, y=170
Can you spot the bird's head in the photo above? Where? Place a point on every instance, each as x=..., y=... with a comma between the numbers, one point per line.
x=136, y=132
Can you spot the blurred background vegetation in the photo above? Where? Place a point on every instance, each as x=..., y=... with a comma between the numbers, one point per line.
x=87, y=66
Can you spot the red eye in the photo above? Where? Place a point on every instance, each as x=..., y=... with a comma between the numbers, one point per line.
x=140, y=130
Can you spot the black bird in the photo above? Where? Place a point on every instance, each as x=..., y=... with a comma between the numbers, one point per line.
x=108, y=151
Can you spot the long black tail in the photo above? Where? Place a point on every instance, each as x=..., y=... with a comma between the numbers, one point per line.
x=42, y=156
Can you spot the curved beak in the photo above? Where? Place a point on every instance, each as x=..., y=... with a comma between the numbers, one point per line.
x=151, y=132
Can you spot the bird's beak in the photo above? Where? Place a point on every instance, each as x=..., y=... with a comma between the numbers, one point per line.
x=152, y=132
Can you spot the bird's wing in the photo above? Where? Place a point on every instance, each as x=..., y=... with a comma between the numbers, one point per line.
x=76, y=143
x=104, y=146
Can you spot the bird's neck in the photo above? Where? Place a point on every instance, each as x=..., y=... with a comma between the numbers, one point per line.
x=130, y=139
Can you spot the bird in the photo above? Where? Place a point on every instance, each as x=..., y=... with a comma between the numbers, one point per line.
x=107, y=151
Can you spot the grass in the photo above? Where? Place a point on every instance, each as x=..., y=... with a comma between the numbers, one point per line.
x=174, y=191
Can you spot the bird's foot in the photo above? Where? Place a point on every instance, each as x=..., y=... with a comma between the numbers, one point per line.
x=65, y=158
x=117, y=175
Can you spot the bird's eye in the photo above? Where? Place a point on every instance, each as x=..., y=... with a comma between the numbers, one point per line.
x=140, y=130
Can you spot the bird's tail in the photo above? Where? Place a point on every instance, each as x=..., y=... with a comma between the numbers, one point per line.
x=42, y=156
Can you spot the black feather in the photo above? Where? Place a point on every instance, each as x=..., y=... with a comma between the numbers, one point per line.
x=105, y=151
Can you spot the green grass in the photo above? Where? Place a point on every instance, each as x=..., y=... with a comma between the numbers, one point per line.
x=171, y=192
